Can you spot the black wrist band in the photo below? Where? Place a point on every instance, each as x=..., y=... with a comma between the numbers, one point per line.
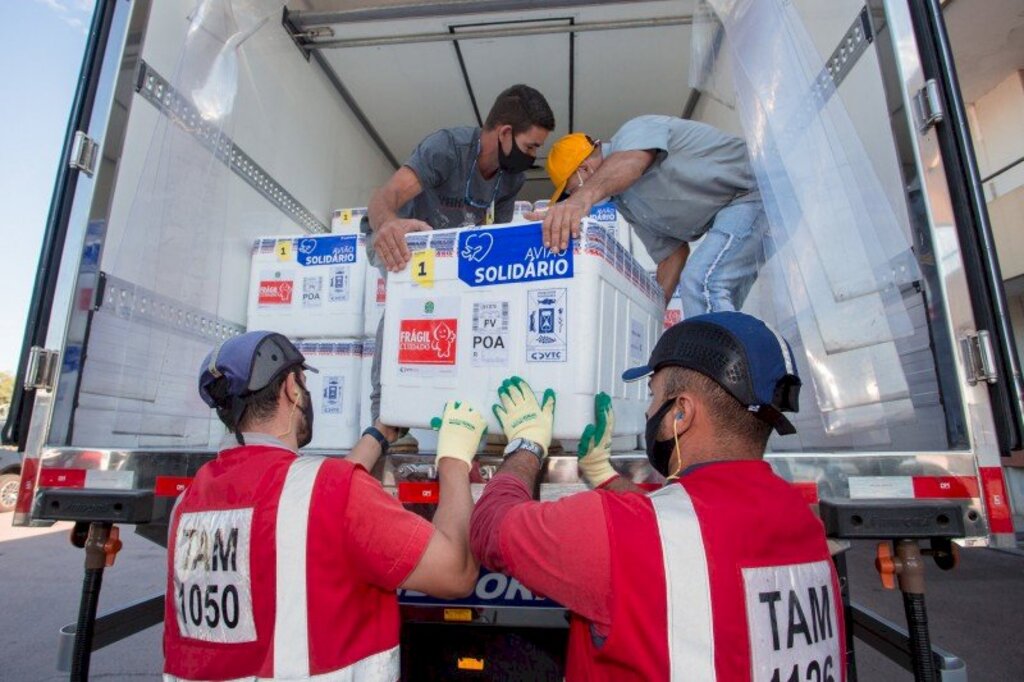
x=379, y=437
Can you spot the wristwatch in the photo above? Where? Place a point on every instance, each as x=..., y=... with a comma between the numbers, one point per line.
x=535, y=449
x=379, y=437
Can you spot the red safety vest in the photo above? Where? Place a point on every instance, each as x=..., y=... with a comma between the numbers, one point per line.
x=252, y=594
x=724, y=575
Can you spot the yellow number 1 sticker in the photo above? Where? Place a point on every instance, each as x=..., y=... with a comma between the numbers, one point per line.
x=423, y=268
x=284, y=249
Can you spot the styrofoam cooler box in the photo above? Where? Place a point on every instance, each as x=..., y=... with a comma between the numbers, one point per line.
x=347, y=220
x=520, y=210
x=308, y=287
x=493, y=302
x=674, y=309
x=427, y=437
x=369, y=346
x=374, y=296
x=336, y=390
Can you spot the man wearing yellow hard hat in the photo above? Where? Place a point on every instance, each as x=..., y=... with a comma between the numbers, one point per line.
x=675, y=181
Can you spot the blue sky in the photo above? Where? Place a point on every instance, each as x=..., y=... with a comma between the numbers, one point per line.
x=41, y=44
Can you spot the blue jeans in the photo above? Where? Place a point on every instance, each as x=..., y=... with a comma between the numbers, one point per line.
x=719, y=274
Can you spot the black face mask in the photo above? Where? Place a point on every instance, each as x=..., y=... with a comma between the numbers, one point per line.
x=305, y=434
x=659, y=452
x=516, y=161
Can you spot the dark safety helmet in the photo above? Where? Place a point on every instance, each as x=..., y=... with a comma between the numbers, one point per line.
x=742, y=354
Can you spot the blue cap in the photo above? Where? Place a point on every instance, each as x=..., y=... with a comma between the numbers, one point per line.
x=247, y=362
x=746, y=357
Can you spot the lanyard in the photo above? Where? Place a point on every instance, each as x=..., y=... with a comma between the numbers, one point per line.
x=497, y=182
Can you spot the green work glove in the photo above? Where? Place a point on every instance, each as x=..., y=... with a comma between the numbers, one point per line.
x=595, y=451
x=521, y=416
x=460, y=429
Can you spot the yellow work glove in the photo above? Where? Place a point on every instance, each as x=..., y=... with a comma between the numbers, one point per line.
x=460, y=429
x=595, y=450
x=521, y=416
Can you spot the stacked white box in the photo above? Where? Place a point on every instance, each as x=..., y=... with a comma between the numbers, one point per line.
x=369, y=347
x=520, y=211
x=308, y=287
x=674, y=309
x=496, y=303
x=347, y=220
x=336, y=391
x=374, y=296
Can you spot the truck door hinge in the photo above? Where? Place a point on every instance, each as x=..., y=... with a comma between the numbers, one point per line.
x=928, y=106
x=84, y=151
x=979, y=358
x=42, y=369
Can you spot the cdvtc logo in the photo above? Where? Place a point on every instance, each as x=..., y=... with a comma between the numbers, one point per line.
x=510, y=254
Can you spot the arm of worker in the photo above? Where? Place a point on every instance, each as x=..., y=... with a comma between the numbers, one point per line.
x=557, y=549
x=448, y=568
x=670, y=269
x=595, y=450
x=616, y=174
x=368, y=450
x=365, y=453
x=389, y=229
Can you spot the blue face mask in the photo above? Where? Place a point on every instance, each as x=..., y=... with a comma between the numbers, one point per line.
x=659, y=452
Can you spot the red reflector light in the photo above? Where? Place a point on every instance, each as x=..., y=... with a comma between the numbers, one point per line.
x=955, y=487
x=808, y=490
x=62, y=478
x=419, y=493
x=170, y=486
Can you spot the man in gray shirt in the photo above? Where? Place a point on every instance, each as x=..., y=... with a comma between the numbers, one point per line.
x=675, y=181
x=456, y=177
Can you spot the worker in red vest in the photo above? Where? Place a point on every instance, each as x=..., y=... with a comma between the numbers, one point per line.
x=283, y=566
x=722, y=574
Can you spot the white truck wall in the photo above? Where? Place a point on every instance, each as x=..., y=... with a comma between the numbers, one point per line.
x=286, y=115
x=182, y=225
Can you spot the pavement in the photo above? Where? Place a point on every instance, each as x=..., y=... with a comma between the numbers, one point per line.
x=976, y=611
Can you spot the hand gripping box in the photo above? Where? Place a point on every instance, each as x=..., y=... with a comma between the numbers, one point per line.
x=478, y=305
x=336, y=391
x=308, y=287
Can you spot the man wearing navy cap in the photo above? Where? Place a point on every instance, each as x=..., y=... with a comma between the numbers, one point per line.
x=285, y=567
x=722, y=574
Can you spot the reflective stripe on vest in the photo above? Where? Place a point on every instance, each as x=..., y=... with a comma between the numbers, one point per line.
x=381, y=666
x=691, y=641
x=291, y=622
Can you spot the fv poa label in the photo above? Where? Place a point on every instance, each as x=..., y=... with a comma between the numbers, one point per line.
x=509, y=254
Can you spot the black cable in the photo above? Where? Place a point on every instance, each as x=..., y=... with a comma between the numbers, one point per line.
x=920, y=643
x=86, y=620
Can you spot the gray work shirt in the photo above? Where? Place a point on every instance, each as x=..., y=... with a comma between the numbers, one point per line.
x=443, y=162
x=698, y=171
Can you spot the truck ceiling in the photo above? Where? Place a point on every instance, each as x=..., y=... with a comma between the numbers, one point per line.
x=598, y=63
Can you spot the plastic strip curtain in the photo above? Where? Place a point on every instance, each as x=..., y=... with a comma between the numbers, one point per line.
x=709, y=62
x=169, y=239
x=839, y=254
